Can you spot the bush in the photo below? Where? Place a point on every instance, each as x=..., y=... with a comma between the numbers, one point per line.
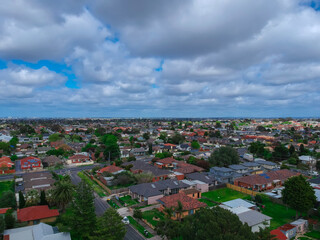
x=137, y=213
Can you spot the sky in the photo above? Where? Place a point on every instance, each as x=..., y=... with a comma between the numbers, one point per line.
x=160, y=58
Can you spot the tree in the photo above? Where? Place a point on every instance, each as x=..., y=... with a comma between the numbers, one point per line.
x=168, y=228
x=195, y=144
x=2, y=225
x=144, y=177
x=179, y=210
x=146, y=136
x=22, y=201
x=9, y=219
x=218, y=124
x=150, y=149
x=292, y=150
x=280, y=152
x=63, y=193
x=83, y=217
x=109, y=226
x=32, y=198
x=224, y=156
x=137, y=213
x=298, y=194
x=222, y=224
x=8, y=199
x=131, y=158
x=54, y=137
x=111, y=146
x=43, y=200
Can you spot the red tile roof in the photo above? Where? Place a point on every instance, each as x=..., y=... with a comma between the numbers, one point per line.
x=110, y=169
x=167, y=160
x=6, y=161
x=78, y=156
x=4, y=210
x=286, y=227
x=188, y=203
x=36, y=213
x=278, y=234
x=269, y=177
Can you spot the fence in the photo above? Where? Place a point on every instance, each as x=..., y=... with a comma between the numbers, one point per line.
x=243, y=190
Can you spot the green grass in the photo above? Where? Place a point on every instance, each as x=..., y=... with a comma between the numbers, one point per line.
x=113, y=204
x=279, y=213
x=6, y=186
x=149, y=215
x=120, y=186
x=137, y=226
x=128, y=200
x=209, y=203
x=304, y=238
x=94, y=185
x=224, y=194
x=313, y=234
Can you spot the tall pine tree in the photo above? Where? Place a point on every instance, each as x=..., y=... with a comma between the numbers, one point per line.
x=83, y=220
x=22, y=201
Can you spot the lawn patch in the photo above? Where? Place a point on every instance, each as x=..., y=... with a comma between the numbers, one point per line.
x=137, y=226
x=153, y=216
x=224, y=194
x=313, y=234
x=128, y=200
x=280, y=214
x=93, y=184
x=6, y=186
x=113, y=204
x=208, y=202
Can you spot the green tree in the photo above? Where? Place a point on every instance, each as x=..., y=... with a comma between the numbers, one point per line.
x=2, y=225
x=292, y=150
x=218, y=124
x=137, y=213
x=55, y=137
x=109, y=226
x=195, y=145
x=146, y=136
x=280, y=152
x=169, y=229
x=83, y=217
x=298, y=194
x=63, y=193
x=14, y=157
x=222, y=224
x=8, y=199
x=150, y=149
x=22, y=201
x=179, y=210
x=32, y=197
x=144, y=177
x=9, y=219
x=224, y=156
x=14, y=141
x=43, y=200
x=111, y=146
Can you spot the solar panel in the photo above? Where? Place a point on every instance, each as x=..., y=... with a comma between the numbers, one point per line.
x=152, y=185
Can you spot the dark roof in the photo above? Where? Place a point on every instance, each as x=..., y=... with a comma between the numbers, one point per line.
x=201, y=177
x=237, y=167
x=315, y=180
x=146, y=167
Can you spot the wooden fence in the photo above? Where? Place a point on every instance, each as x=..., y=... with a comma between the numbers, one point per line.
x=241, y=189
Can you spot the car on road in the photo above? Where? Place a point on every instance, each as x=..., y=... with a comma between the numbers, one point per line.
x=125, y=220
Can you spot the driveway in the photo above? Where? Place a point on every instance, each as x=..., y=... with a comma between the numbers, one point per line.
x=18, y=166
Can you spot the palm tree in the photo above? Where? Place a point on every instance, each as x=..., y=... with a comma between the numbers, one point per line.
x=168, y=212
x=63, y=193
x=32, y=197
x=179, y=210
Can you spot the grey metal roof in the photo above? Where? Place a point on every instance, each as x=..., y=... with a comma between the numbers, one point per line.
x=202, y=177
x=253, y=217
x=237, y=167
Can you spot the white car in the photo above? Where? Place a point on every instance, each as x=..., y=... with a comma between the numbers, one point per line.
x=125, y=220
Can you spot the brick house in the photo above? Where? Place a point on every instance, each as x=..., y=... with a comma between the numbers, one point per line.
x=6, y=165
x=190, y=205
x=35, y=214
x=30, y=163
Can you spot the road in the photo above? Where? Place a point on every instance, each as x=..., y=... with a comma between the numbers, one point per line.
x=132, y=234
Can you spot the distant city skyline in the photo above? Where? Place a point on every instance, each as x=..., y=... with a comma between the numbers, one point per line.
x=154, y=59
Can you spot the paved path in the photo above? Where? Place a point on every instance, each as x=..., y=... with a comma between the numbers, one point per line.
x=124, y=212
x=150, y=207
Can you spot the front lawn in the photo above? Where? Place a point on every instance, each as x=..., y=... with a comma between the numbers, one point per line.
x=224, y=194
x=153, y=216
x=6, y=186
x=113, y=204
x=208, y=202
x=280, y=214
x=313, y=234
x=128, y=200
x=137, y=226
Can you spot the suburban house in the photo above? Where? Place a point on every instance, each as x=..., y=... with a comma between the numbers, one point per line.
x=289, y=230
x=141, y=166
x=238, y=168
x=152, y=191
x=203, y=177
x=223, y=174
x=30, y=163
x=80, y=159
x=240, y=203
x=194, y=193
x=111, y=169
x=6, y=165
x=265, y=181
x=40, y=231
x=38, y=181
x=51, y=161
x=190, y=205
x=36, y=214
x=253, y=167
x=266, y=164
x=138, y=152
x=254, y=219
x=308, y=160
x=301, y=225
x=177, y=166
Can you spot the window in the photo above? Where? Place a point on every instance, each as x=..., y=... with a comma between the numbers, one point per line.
x=191, y=212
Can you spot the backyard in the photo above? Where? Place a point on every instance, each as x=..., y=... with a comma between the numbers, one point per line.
x=224, y=194
x=208, y=202
x=153, y=216
x=280, y=214
x=6, y=186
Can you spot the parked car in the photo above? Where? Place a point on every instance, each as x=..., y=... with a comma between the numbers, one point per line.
x=125, y=220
